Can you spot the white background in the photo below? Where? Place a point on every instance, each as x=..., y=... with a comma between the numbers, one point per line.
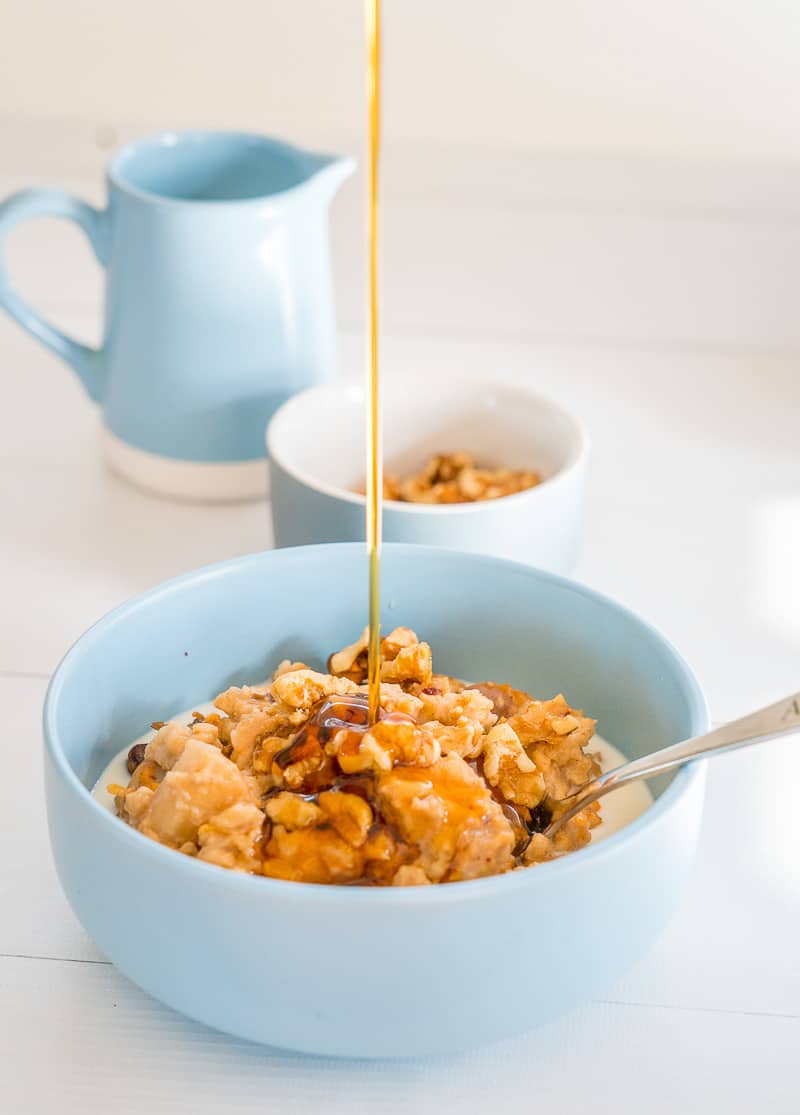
x=694, y=78
x=603, y=200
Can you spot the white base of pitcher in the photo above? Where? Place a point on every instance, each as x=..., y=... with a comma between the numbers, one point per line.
x=192, y=481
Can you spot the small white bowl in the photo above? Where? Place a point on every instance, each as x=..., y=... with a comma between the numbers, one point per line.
x=316, y=441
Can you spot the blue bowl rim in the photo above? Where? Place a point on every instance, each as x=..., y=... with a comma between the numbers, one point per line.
x=472, y=889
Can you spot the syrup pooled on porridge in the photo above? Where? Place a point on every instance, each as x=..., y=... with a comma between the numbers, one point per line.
x=292, y=780
x=346, y=716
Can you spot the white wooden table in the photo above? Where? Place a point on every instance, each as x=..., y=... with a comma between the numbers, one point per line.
x=661, y=307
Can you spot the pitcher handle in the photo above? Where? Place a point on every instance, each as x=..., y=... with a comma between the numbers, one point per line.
x=86, y=361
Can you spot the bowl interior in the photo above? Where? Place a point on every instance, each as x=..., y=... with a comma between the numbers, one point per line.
x=485, y=619
x=319, y=435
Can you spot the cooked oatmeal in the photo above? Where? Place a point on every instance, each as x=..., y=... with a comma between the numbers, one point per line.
x=287, y=780
x=455, y=478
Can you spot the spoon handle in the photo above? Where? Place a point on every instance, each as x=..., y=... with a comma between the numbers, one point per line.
x=757, y=727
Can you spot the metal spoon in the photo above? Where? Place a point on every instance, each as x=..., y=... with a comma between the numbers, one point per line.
x=757, y=727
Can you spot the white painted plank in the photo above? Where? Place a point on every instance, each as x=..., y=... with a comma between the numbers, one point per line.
x=37, y=920
x=733, y=941
x=106, y=1046
x=571, y=275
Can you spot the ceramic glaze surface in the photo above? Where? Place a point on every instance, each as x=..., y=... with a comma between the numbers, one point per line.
x=219, y=301
x=433, y=964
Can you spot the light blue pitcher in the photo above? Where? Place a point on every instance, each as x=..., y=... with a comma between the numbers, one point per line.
x=219, y=302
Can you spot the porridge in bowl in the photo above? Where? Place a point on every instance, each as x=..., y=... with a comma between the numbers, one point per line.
x=287, y=779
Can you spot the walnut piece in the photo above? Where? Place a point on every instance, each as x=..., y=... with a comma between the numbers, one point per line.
x=349, y=814
x=201, y=784
x=412, y=663
x=385, y=744
x=304, y=688
x=508, y=768
x=454, y=478
x=448, y=813
x=350, y=661
x=231, y=838
x=292, y=811
x=288, y=780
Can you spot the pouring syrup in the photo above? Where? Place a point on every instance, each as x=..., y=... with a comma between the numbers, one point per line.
x=374, y=448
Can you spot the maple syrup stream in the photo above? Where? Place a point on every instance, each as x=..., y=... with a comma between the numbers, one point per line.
x=374, y=447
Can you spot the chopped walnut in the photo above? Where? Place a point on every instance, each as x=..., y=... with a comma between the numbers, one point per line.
x=409, y=875
x=395, y=699
x=349, y=814
x=350, y=661
x=448, y=813
x=507, y=767
x=552, y=721
x=312, y=855
x=463, y=707
x=291, y=781
x=465, y=738
x=293, y=811
x=399, y=639
x=383, y=855
x=201, y=784
x=546, y=730
x=506, y=701
x=134, y=804
x=454, y=478
x=295, y=775
x=303, y=688
x=574, y=834
x=385, y=744
x=263, y=754
x=232, y=837
x=539, y=850
x=167, y=745
x=249, y=733
x=412, y=663
x=237, y=702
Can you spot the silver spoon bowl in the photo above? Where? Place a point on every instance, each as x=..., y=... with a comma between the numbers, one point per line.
x=757, y=727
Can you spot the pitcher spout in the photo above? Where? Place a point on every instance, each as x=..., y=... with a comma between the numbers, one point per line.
x=328, y=172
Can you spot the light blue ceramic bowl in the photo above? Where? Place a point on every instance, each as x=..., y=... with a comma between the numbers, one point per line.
x=350, y=971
